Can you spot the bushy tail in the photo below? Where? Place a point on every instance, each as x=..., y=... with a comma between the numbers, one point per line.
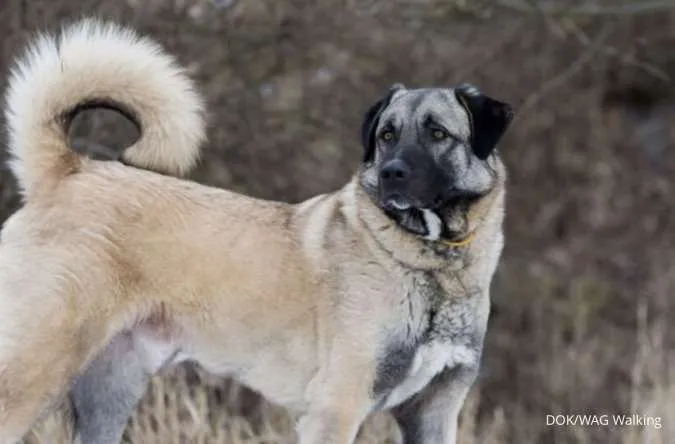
x=92, y=63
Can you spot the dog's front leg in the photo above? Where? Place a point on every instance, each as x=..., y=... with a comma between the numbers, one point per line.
x=431, y=416
x=330, y=425
x=339, y=399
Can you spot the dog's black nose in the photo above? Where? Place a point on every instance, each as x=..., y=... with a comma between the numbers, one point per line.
x=395, y=171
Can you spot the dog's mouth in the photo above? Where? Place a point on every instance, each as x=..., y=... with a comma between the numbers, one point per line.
x=396, y=202
x=442, y=218
x=441, y=203
x=402, y=201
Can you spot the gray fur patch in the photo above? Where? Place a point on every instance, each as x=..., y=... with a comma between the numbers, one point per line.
x=106, y=394
x=393, y=367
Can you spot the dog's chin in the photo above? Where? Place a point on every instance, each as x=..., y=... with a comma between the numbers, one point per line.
x=413, y=217
x=429, y=222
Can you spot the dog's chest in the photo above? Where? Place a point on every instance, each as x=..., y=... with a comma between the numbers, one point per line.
x=441, y=332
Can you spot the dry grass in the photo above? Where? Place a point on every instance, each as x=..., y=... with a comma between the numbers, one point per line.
x=583, y=298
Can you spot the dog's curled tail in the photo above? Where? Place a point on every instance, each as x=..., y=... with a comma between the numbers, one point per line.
x=91, y=64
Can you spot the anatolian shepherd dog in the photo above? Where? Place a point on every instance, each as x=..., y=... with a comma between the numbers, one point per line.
x=373, y=297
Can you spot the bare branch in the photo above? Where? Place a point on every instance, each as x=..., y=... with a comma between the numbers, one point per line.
x=624, y=58
x=566, y=74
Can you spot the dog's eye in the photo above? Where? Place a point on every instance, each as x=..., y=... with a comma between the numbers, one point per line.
x=439, y=134
x=387, y=135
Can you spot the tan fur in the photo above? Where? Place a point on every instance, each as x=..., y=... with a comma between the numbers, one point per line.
x=292, y=300
x=96, y=61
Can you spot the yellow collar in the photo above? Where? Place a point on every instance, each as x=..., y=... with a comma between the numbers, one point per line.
x=461, y=243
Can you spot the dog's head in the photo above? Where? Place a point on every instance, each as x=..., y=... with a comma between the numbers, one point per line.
x=430, y=155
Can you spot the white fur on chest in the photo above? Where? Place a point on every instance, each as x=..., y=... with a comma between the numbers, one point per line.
x=430, y=359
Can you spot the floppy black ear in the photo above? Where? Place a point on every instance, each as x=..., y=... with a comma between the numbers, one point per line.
x=489, y=118
x=370, y=121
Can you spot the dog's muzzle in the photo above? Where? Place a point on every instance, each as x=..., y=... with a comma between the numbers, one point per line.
x=404, y=185
x=394, y=182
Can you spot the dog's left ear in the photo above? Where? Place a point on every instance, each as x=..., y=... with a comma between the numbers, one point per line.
x=370, y=121
x=489, y=118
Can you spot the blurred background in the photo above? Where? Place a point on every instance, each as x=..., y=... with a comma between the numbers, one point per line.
x=583, y=299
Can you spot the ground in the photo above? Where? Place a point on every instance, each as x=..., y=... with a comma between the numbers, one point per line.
x=583, y=295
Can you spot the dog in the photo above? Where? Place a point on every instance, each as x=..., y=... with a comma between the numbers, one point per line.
x=374, y=297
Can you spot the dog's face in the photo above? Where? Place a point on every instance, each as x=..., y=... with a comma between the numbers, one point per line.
x=430, y=155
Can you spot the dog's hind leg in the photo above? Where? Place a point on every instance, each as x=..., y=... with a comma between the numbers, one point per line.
x=49, y=330
x=42, y=346
x=106, y=394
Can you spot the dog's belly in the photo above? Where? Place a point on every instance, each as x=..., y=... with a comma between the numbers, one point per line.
x=278, y=368
x=430, y=359
x=279, y=382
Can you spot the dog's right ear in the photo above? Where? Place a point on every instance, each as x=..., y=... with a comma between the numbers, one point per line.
x=370, y=121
